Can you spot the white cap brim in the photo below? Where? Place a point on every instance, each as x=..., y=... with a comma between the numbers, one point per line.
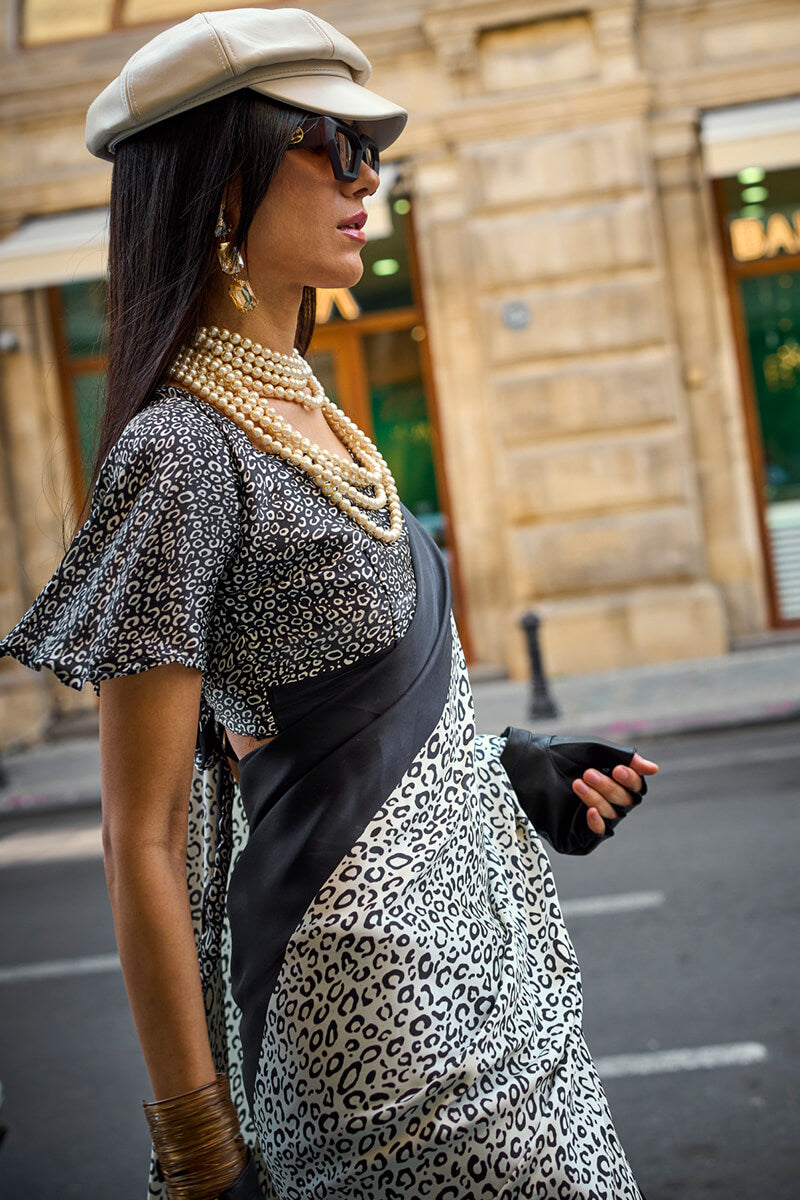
x=334, y=96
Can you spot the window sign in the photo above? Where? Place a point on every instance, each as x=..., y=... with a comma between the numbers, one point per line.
x=763, y=212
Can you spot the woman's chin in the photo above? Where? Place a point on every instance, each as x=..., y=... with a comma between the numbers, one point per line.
x=344, y=275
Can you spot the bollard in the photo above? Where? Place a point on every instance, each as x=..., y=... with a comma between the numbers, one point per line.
x=542, y=703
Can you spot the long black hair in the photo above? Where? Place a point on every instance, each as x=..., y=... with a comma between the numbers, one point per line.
x=166, y=189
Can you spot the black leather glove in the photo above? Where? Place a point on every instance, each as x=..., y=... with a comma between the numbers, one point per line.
x=245, y=1186
x=542, y=768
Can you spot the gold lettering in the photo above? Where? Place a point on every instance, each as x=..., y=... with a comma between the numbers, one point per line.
x=780, y=236
x=747, y=239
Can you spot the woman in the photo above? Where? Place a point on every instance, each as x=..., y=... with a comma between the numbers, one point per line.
x=370, y=952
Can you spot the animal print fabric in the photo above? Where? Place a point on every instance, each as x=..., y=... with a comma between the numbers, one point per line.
x=424, y=1037
x=201, y=549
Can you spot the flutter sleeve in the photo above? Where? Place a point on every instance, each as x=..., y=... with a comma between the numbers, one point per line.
x=137, y=585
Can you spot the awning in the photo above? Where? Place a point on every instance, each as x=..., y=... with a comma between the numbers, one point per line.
x=751, y=135
x=65, y=248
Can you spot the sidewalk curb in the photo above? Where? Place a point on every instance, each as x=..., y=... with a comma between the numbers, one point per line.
x=686, y=727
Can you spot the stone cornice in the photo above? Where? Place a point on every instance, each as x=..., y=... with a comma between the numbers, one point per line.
x=453, y=27
x=719, y=86
x=88, y=63
x=712, y=11
x=534, y=113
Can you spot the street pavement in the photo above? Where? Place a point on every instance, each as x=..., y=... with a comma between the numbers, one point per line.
x=685, y=925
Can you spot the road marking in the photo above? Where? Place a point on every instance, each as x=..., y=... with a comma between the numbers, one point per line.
x=598, y=906
x=24, y=849
x=61, y=968
x=696, y=1058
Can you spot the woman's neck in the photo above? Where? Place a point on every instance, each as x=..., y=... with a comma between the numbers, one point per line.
x=273, y=323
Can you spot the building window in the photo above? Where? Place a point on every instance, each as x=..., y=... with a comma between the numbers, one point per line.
x=78, y=317
x=760, y=220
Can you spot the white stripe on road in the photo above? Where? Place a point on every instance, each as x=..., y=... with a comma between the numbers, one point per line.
x=24, y=849
x=598, y=906
x=615, y=1066
x=61, y=968
x=696, y=1058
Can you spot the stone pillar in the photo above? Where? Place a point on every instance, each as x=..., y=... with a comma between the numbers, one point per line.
x=464, y=402
x=704, y=334
x=36, y=498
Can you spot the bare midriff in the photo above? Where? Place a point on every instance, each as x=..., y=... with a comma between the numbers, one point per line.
x=242, y=744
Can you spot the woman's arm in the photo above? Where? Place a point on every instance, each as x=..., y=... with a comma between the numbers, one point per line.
x=148, y=726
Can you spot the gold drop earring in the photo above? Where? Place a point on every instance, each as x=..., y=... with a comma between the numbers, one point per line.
x=232, y=263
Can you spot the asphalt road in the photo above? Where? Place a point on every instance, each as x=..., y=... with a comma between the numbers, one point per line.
x=699, y=956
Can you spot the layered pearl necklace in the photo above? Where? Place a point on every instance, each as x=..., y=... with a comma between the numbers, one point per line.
x=239, y=378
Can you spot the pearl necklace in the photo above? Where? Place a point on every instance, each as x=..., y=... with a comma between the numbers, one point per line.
x=239, y=377
x=281, y=376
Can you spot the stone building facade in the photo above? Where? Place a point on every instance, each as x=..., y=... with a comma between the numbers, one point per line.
x=593, y=434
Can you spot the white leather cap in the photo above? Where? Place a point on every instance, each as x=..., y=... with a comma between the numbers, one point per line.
x=285, y=53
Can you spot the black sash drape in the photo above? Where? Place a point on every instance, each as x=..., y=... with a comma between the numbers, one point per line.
x=310, y=792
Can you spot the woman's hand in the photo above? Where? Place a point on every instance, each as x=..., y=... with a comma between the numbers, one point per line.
x=598, y=791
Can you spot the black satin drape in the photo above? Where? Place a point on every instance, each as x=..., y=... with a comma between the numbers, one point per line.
x=310, y=792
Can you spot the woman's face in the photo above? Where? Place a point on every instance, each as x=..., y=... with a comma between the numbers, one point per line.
x=297, y=237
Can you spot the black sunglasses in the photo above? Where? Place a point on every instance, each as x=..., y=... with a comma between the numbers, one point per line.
x=347, y=148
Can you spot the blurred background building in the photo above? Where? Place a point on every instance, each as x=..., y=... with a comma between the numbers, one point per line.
x=577, y=338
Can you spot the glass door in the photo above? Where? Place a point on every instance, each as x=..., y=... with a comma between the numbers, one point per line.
x=374, y=372
x=771, y=310
x=77, y=312
x=401, y=425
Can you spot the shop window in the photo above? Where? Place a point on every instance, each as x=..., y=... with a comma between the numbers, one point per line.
x=760, y=219
x=78, y=317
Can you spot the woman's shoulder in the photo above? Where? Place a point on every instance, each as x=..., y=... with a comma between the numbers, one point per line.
x=172, y=412
x=176, y=426
x=173, y=445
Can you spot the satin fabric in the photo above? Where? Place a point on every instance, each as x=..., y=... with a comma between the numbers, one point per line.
x=310, y=792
